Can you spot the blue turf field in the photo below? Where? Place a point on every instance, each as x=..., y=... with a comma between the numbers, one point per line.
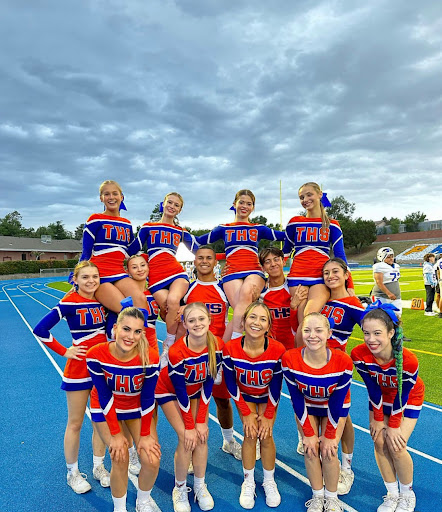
x=34, y=413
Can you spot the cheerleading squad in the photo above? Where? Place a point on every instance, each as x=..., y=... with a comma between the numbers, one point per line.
x=293, y=328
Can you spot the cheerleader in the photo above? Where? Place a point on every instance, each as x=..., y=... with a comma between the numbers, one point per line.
x=124, y=373
x=243, y=278
x=184, y=390
x=207, y=289
x=86, y=320
x=396, y=395
x=168, y=281
x=344, y=311
x=312, y=237
x=138, y=270
x=252, y=369
x=106, y=237
x=319, y=380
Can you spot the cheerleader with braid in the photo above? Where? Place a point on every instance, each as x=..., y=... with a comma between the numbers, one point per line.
x=312, y=237
x=396, y=395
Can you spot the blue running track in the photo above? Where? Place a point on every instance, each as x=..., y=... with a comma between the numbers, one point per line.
x=33, y=472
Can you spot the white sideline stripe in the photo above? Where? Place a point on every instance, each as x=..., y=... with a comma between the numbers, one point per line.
x=287, y=468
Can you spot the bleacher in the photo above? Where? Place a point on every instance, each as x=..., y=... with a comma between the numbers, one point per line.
x=418, y=251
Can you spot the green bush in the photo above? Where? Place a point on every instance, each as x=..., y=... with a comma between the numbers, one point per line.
x=33, y=267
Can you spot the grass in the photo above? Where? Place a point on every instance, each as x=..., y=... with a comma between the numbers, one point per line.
x=423, y=330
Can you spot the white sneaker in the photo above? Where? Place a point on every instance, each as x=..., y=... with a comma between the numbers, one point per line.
x=430, y=313
x=300, y=448
x=316, y=504
x=134, y=463
x=147, y=506
x=247, y=496
x=258, y=449
x=180, y=499
x=406, y=503
x=345, y=481
x=273, y=498
x=77, y=482
x=333, y=505
x=102, y=475
x=232, y=447
x=390, y=503
x=204, y=498
x=164, y=357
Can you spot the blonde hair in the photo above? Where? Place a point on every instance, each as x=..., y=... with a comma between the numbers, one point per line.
x=254, y=305
x=245, y=192
x=211, y=339
x=143, y=345
x=110, y=182
x=79, y=266
x=317, y=188
x=180, y=197
x=317, y=315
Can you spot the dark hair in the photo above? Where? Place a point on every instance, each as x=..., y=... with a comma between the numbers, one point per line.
x=428, y=256
x=209, y=247
x=269, y=250
x=396, y=341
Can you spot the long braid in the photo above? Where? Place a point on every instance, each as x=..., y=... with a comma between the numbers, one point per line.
x=397, y=344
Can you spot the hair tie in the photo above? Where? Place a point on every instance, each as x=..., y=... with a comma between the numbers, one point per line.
x=387, y=308
x=325, y=201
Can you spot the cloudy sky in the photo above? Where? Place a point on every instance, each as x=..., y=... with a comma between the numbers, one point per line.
x=207, y=97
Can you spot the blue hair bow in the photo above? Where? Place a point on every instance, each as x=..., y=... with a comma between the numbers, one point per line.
x=232, y=208
x=388, y=308
x=161, y=207
x=71, y=278
x=127, y=302
x=324, y=200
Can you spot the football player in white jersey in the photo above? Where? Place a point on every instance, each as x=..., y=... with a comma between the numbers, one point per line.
x=386, y=275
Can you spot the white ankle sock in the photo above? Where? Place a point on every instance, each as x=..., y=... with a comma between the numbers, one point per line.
x=227, y=434
x=269, y=474
x=98, y=461
x=249, y=474
x=119, y=503
x=392, y=488
x=406, y=489
x=72, y=467
x=347, y=459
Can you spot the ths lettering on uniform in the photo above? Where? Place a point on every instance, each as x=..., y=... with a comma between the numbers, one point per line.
x=124, y=383
x=123, y=234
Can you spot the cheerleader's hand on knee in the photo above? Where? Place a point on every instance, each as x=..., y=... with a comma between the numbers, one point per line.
x=376, y=427
x=190, y=439
x=150, y=446
x=118, y=448
x=202, y=431
x=265, y=427
x=395, y=438
x=311, y=446
x=250, y=425
x=329, y=448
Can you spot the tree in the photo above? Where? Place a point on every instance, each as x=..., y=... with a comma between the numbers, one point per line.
x=55, y=229
x=394, y=225
x=412, y=220
x=10, y=224
x=78, y=233
x=156, y=215
x=341, y=208
x=260, y=219
x=358, y=233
